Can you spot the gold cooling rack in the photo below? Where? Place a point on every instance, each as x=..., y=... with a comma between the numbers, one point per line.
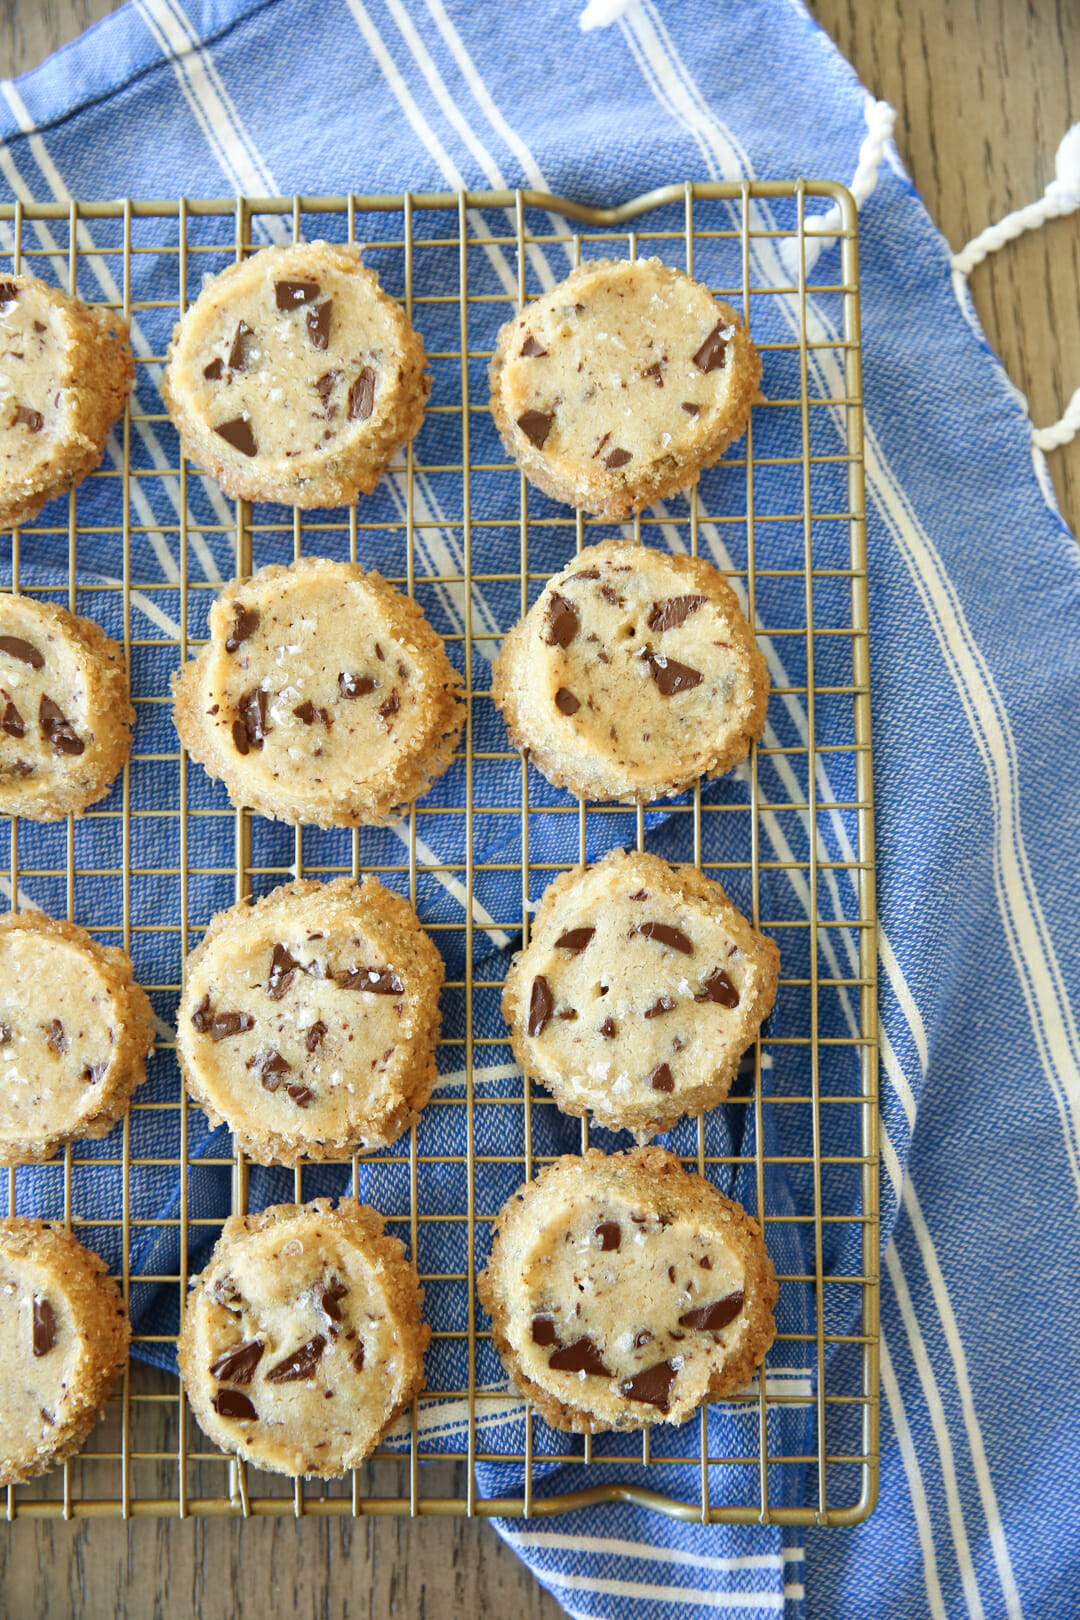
x=148, y=1457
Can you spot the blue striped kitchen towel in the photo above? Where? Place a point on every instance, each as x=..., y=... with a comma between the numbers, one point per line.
x=977, y=776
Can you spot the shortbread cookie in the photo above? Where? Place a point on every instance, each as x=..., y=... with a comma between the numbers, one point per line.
x=301, y=1342
x=294, y=377
x=64, y=1332
x=632, y=676
x=639, y=990
x=75, y=1031
x=308, y=1021
x=66, y=370
x=624, y=1292
x=65, y=714
x=616, y=388
x=322, y=696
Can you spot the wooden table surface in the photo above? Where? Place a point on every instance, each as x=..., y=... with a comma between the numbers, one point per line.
x=982, y=93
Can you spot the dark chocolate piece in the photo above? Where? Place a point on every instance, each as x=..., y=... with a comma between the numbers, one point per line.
x=238, y=433
x=33, y=420
x=245, y=623
x=665, y=934
x=301, y=1364
x=326, y=1298
x=6, y=1035
x=283, y=970
x=543, y=1330
x=691, y=409
x=236, y=1366
x=225, y=1024
x=361, y=396
x=239, y=736
x=566, y=702
x=536, y=425
x=642, y=1339
x=318, y=323
x=718, y=987
x=610, y=1234
x=357, y=1358
x=252, y=707
x=717, y=1315
x=314, y=1037
x=586, y=573
x=213, y=371
x=662, y=1078
x=272, y=1068
x=382, y=981
x=651, y=1386
x=670, y=676
x=354, y=686
x=230, y=1403
x=94, y=1073
x=711, y=354
x=617, y=458
x=55, y=1039
x=292, y=294
x=58, y=728
x=608, y=1029
x=575, y=939
x=202, y=1017
x=12, y=721
x=44, y=1326
x=308, y=713
x=238, y=354
x=301, y=1095
x=561, y=625
x=541, y=1006
x=389, y=706
x=324, y=387
x=580, y=1356
x=9, y=291
x=656, y=372
x=531, y=350
x=663, y=1004
x=670, y=614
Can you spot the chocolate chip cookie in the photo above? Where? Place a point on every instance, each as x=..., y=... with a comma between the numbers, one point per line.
x=301, y=1342
x=65, y=714
x=624, y=1292
x=322, y=696
x=632, y=676
x=639, y=990
x=64, y=1331
x=294, y=377
x=75, y=1031
x=616, y=388
x=308, y=1021
x=66, y=370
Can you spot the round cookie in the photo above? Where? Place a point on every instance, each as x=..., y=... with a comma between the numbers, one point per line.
x=309, y=1020
x=617, y=387
x=294, y=377
x=323, y=695
x=75, y=1031
x=66, y=370
x=301, y=1342
x=65, y=713
x=624, y=1292
x=639, y=991
x=65, y=1335
x=633, y=675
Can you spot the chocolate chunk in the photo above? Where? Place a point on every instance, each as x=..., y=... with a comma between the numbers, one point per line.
x=651, y=1386
x=252, y=707
x=670, y=676
x=718, y=987
x=301, y=1095
x=44, y=1326
x=12, y=721
x=382, y=981
x=55, y=1039
x=272, y=1068
x=655, y=371
x=541, y=1006
x=318, y=323
x=610, y=1234
x=213, y=371
x=566, y=702
x=239, y=736
x=642, y=894
x=575, y=939
x=357, y=1359
x=238, y=354
x=580, y=1356
x=670, y=614
x=327, y=1296
x=324, y=387
x=94, y=1073
x=543, y=1330
x=361, y=396
x=611, y=595
x=664, y=1004
x=662, y=1078
x=230, y=1403
x=390, y=706
x=314, y=1037
x=291, y=294
x=665, y=934
x=225, y=1024
x=58, y=728
x=6, y=1036
x=586, y=573
x=711, y=354
x=608, y=1029
x=600, y=443
x=9, y=291
x=617, y=458
x=33, y=420
x=245, y=623
x=236, y=1366
x=354, y=686
x=301, y=1364
x=531, y=350
x=705, y=1263
x=238, y=433
x=202, y=1017
x=283, y=970
x=715, y=1316
x=561, y=625
x=308, y=713
x=536, y=425
x=690, y=409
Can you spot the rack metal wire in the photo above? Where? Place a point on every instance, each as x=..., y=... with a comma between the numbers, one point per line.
x=148, y=1457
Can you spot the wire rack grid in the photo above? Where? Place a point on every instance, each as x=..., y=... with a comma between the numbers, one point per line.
x=146, y=867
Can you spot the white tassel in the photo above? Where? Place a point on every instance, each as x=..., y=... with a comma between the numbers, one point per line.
x=1062, y=196
x=822, y=228
x=601, y=13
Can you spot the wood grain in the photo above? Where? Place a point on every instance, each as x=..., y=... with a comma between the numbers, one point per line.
x=983, y=93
